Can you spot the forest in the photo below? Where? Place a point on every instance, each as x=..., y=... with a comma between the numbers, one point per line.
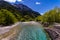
x=51, y=16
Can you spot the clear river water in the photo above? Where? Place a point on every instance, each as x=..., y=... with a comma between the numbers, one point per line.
x=32, y=32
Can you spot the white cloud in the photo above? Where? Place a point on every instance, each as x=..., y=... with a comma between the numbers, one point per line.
x=41, y=13
x=13, y=0
x=38, y=3
x=10, y=0
x=19, y=0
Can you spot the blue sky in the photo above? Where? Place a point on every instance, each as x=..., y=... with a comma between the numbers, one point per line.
x=40, y=6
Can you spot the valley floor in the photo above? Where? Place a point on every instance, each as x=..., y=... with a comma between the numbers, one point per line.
x=7, y=33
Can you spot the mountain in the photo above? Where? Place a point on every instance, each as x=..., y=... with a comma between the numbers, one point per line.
x=24, y=9
x=15, y=12
x=20, y=7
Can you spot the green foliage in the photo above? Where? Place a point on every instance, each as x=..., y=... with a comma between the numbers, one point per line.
x=50, y=16
x=39, y=18
x=6, y=17
x=2, y=18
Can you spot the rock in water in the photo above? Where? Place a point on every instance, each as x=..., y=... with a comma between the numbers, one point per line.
x=32, y=31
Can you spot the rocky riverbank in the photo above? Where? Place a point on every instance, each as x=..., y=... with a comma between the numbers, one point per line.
x=9, y=32
x=54, y=33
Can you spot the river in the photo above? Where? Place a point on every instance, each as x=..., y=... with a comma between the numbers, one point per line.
x=32, y=31
x=27, y=31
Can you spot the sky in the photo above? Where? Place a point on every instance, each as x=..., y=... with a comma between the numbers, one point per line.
x=40, y=6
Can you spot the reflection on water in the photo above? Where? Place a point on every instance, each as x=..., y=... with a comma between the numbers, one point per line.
x=32, y=32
